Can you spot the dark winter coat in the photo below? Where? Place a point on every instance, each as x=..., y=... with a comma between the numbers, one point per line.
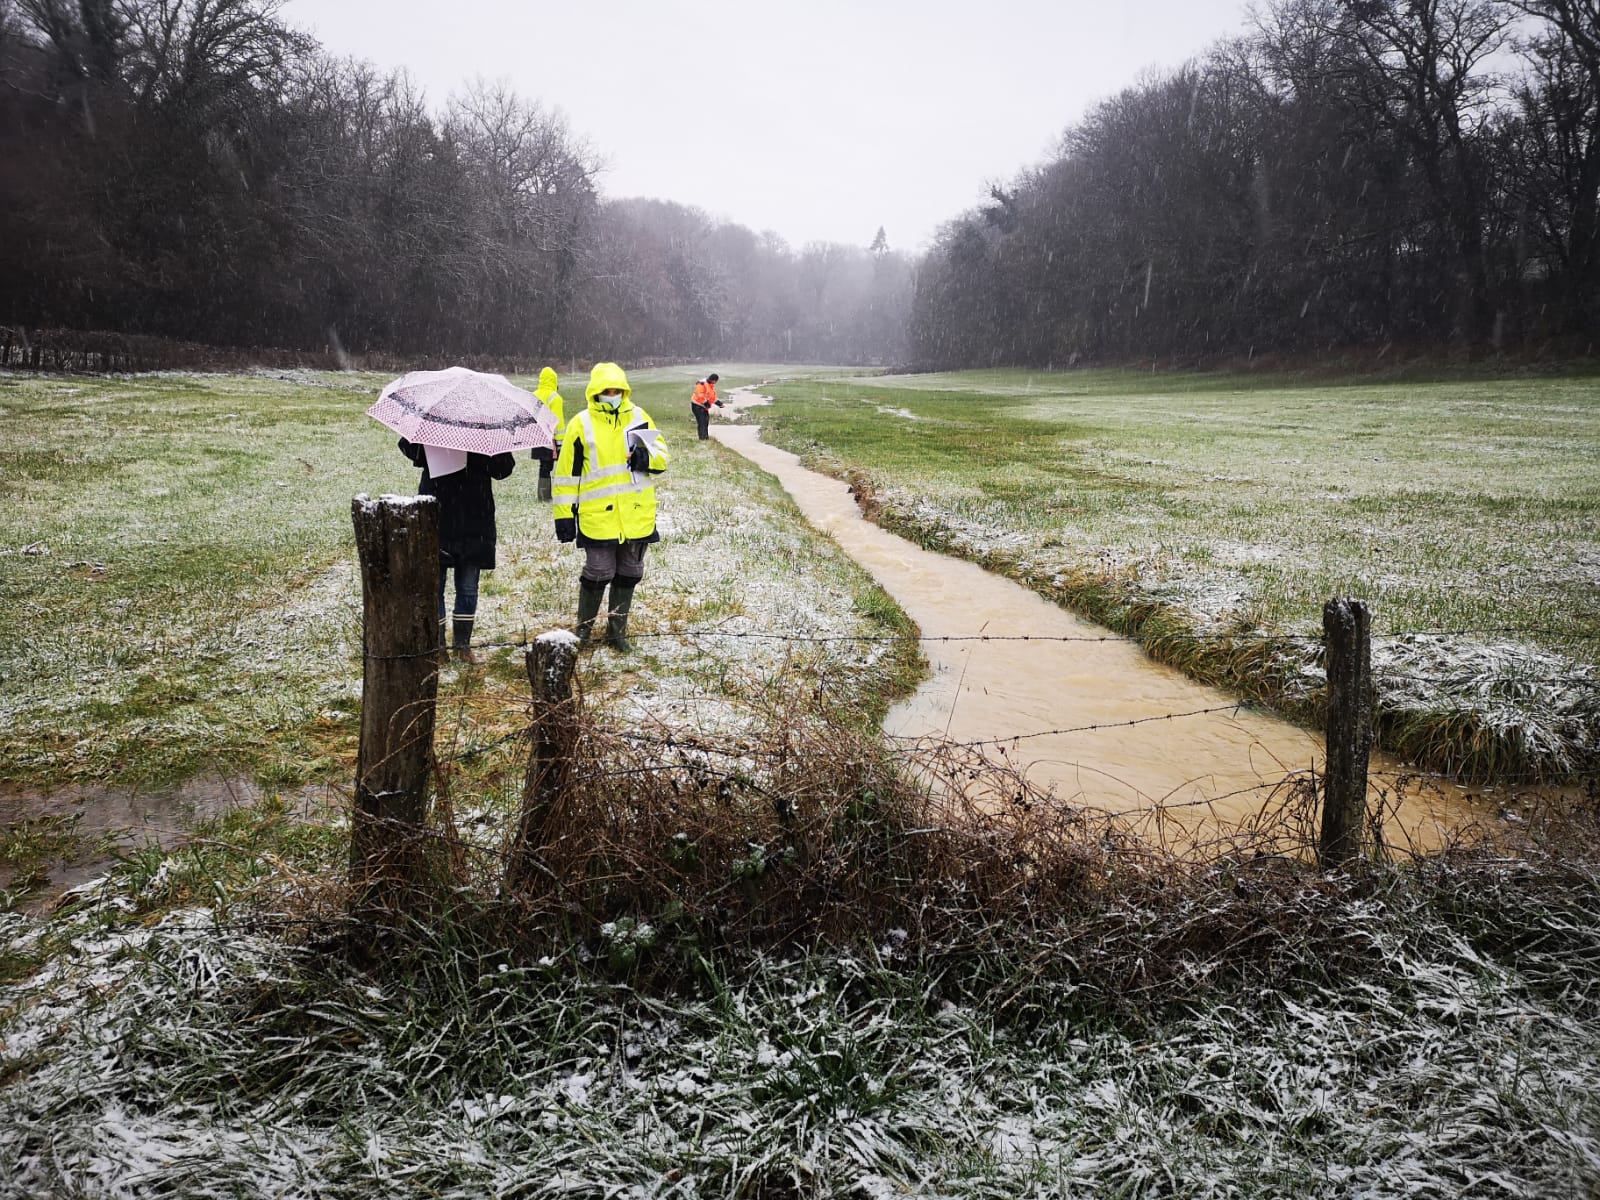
x=466, y=505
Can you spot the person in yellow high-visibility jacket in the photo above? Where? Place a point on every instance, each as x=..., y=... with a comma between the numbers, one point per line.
x=605, y=497
x=545, y=456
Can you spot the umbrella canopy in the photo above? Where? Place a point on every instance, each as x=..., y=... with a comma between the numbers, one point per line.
x=459, y=409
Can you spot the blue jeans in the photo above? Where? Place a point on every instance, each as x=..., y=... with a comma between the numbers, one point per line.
x=466, y=590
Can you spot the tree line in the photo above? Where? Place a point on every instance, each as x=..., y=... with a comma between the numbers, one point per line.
x=199, y=169
x=1348, y=172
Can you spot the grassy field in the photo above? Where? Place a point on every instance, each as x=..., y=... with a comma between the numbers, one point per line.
x=1466, y=512
x=1238, y=1033
x=1065, y=1012
x=176, y=565
x=176, y=558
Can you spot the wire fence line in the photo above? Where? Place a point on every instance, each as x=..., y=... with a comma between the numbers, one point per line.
x=1131, y=639
x=1445, y=675
x=907, y=748
x=1172, y=716
x=911, y=748
x=900, y=747
x=561, y=621
x=725, y=780
x=694, y=633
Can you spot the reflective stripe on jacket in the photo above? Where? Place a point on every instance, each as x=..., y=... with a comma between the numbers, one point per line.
x=613, y=503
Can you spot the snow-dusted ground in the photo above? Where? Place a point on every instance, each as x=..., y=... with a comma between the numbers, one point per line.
x=1249, y=508
x=185, y=1058
x=146, y=1053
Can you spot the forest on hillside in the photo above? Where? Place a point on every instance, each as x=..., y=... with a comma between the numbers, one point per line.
x=199, y=169
x=1349, y=173
x=1346, y=173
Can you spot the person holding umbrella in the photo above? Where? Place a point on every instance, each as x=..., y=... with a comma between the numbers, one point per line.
x=461, y=427
x=605, y=498
x=466, y=532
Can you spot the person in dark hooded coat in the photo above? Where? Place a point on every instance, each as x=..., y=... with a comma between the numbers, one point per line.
x=466, y=532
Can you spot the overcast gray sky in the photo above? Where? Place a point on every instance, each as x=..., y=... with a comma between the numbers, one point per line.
x=821, y=120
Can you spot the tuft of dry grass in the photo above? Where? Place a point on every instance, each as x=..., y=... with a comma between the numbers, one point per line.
x=670, y=849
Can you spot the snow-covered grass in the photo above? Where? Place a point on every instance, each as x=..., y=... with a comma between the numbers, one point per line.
x=1239, y=505
x=1446, y=1046
x=1053, y=1009
x=177, y=557
x=179, y=571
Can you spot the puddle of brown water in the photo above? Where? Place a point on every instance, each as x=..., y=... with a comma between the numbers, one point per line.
x=1210, y=770
x=119, y=821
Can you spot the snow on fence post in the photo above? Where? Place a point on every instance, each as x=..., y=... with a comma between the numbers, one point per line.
x=550, y=662
x=1347, y=636
x=397, y=541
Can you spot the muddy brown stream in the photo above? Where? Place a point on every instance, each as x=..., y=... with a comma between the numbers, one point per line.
x=1208, y=770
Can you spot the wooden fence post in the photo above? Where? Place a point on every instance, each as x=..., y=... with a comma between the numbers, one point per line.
x=550, y=661
x=1347, y=634
x=397, y=540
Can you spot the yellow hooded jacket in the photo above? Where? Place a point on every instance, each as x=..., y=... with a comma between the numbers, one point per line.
x=613, y=503
x=546, y=391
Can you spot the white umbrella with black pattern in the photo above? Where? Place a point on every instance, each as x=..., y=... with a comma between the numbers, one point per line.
x=464, y=410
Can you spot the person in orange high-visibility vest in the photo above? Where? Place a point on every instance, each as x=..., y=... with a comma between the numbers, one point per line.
x=705, y=395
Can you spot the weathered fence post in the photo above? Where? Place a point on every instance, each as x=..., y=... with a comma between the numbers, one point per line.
x=397, y=540
x=550, y=661
x=1347, y=634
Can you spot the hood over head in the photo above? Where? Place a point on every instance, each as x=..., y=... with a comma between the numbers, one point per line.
x=547, y=383
x=608, y=375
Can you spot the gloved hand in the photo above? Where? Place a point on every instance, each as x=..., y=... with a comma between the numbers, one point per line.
x=566, y=529
x=719, y=403
x=639, y=458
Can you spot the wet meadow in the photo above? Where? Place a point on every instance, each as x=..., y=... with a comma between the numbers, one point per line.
x=1212, y=515
x=769, y=974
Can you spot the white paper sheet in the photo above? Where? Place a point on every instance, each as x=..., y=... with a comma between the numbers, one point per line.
x=644, y=436
x=444, y=461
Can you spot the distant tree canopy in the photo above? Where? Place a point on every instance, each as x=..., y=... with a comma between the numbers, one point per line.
x=1353, y=172
x=198, y=169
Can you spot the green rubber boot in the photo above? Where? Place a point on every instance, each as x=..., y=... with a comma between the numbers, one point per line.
x=589, y=597
x=617, y=618
x=463, y=632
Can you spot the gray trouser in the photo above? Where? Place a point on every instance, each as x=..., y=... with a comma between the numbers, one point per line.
x=622, y=561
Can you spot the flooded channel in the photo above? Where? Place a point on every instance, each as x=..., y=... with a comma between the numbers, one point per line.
x=1216, y=766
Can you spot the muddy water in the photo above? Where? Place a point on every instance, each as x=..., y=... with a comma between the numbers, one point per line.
x=108, y=822
x=1208, y=771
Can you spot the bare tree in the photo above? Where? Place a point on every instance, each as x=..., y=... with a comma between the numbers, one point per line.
x=1557, y=149
x=537, y=187
x=1430, y=87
